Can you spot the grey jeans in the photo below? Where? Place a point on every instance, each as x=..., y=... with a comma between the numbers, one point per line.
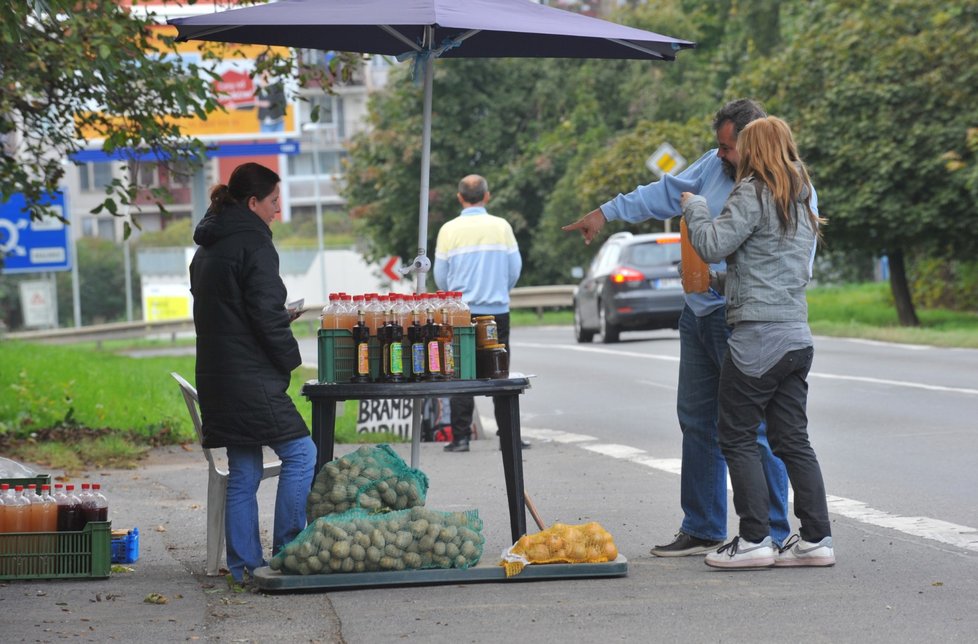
x=779, y=398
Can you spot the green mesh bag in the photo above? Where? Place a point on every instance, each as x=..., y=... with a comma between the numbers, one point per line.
x=360, y=541
x=373, y=477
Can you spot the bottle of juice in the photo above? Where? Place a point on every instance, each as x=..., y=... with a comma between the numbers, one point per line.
x=69, y=511
x=48, y=511
x=463, y=316
x=696, y=273
x=100, y=504
x=330, y=317
x=18, y=511
x=36, y=519
x=86, y=502
x=373, y=312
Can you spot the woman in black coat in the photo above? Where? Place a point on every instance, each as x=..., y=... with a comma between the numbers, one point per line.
x=245, y=355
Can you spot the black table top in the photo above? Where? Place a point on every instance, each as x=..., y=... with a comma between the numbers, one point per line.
x=516, y=383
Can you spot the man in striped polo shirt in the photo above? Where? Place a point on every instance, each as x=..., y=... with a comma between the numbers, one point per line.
x=476, y=253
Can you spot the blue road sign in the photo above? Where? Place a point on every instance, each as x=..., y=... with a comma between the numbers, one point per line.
x=33, y=246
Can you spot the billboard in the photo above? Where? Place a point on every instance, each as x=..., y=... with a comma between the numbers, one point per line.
x=255, y=107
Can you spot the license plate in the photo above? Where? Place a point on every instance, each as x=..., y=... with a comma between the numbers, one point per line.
x=669, y=282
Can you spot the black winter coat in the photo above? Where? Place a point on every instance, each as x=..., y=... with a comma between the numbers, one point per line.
x=245, y=347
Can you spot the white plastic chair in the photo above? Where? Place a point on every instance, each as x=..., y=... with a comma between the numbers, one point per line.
x=217, y=482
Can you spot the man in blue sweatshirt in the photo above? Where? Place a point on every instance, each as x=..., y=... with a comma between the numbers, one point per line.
x=703, y=334
x=476, y=253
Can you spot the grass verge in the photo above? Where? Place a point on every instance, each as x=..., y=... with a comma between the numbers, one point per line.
x=67, y=407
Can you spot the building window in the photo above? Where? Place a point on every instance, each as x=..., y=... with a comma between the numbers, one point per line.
x=146, y=175
x=94, y=177
x=303, y=164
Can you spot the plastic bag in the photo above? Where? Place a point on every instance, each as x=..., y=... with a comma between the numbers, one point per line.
x=358, y=541
x=372, y=477
x=13, y=470
x=560, y=543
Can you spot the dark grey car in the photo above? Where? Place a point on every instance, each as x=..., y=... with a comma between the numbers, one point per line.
x=631, y=285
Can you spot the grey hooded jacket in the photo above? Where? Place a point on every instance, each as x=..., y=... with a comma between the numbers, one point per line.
x=767, y=268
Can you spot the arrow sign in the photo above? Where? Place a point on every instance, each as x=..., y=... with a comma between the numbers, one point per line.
x=391, y=268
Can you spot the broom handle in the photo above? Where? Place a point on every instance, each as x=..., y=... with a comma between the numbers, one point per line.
x=533, y=511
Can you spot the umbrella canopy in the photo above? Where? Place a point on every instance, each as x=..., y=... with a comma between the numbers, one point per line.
x=425, y=30
x=503, y=28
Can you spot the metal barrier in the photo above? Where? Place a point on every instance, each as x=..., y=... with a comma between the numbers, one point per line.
x=524, y=297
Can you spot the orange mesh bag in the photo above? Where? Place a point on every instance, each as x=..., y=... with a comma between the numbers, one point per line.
x=560, y=543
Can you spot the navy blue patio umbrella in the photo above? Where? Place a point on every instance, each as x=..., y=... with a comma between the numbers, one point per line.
x=425, y=30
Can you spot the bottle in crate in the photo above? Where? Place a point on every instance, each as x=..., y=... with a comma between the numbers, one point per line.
x=69, y=511
x=17, y=511
x=49, y=511
x=330, y=317
x=101, y=504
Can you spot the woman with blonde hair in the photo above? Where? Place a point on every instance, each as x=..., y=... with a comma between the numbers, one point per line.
x=767, y=232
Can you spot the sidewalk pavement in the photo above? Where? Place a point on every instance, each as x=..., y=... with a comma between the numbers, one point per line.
x=884, y=589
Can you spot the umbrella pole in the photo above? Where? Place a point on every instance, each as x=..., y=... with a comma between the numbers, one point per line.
x=422, y=274
x=429, y=73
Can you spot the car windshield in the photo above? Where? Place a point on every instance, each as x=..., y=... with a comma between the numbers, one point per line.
x=653, y=254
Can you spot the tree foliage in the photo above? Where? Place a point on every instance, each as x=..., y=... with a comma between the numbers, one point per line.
x=99, y=70
x=75, y=69
x=882, y=103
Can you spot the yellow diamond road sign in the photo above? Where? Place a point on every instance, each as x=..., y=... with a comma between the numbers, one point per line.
x=665, y=160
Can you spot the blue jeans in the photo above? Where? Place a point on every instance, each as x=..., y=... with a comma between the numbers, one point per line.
x=244, y=550
x=703, y=483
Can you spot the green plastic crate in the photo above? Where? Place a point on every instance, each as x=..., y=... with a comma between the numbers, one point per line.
x=57, y=555
x=337, y=358
x=39, y=480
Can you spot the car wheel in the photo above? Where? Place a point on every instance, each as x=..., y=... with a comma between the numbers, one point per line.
x=580, y=333
x=609, y=332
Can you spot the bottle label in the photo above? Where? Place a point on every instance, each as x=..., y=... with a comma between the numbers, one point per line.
x=449, y=359
x=417, y=358
x=363, y=359
x=434, y=364
x=397, y=358
x=492, y=336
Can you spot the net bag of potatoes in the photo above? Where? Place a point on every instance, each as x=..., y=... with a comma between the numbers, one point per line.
x=372, y=477
x=560, y=543
x=360, y=541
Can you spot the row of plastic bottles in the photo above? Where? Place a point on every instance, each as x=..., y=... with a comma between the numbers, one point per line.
x=446, y=307
x=34, y=509
x=421, y=349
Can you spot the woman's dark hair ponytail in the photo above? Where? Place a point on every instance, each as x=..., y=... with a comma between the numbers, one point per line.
x=248, y=180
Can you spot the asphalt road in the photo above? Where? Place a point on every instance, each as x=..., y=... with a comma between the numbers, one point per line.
x=893, y=427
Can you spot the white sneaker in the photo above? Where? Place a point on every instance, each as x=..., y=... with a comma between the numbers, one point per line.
x=798, y=552
x=741, y=553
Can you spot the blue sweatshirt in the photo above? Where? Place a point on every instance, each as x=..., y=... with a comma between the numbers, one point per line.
x=660, y=200
x=476, y=253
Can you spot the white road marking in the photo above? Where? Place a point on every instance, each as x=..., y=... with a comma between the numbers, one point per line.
x=895, y=383
x=813, y=374
x=952, y=534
